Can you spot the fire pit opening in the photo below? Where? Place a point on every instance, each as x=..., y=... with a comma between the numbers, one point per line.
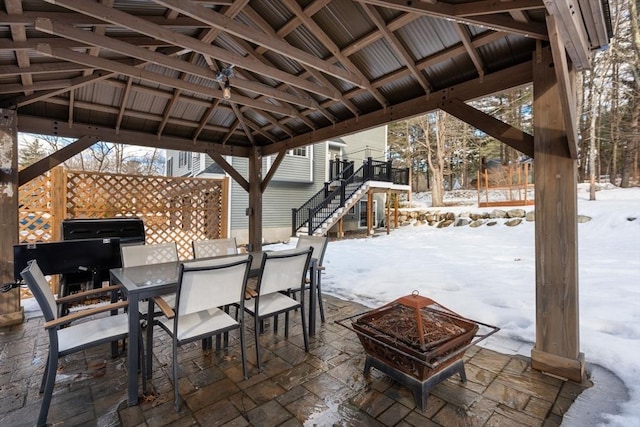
x=416, y=341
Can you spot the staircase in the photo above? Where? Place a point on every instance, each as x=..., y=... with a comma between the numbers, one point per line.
x=323, y=210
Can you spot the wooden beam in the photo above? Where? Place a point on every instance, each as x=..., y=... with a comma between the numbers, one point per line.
x=465, y=37
x=125, y=20
x=254, y=210
x=272, y=170
x=242, y=31
x=565, y=86
x=498, y=129
x=11, y=313
x=233, y=173
x=65, y=153
x=38, y=125
x=557, y=347
x=489, y=7
x=571, y=30
x=441, y=10
x=492, y=83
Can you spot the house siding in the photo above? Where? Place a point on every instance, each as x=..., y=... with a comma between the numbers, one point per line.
x=291, y=186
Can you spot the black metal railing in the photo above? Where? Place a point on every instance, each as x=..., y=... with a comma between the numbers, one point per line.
x=344, y=184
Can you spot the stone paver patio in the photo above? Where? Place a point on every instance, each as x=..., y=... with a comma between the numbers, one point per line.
x=324, y=387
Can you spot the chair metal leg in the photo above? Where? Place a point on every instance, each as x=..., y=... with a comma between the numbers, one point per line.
x=305, y=333
x=320, y=305
x=143, y=361
x=50, y=374
x=286, y=324
x=243, y=351
x=44, y=375
x=175, y=375
x=256, y=329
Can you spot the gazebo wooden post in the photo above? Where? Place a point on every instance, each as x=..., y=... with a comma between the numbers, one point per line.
x=255, y=200
x=557, y=347
x=11, y=313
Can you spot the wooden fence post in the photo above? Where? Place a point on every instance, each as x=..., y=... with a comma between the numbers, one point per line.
x=11, y=312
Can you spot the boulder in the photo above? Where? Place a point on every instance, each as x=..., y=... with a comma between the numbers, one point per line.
x=477, y=223
x=498, y=213
x=460, y=222
x=516, y=213
x=583, y=219
x=491, y=223
x=445, y=223
x=531, y=216
x=513, y=222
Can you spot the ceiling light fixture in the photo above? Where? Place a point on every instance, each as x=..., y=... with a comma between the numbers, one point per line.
x=223, y=79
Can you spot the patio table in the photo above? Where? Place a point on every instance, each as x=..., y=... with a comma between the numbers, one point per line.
x=148, y=281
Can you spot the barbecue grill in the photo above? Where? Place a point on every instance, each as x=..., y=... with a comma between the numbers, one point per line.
x=416, y=341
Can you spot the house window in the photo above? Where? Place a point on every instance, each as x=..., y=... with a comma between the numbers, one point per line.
x=183, y=158
x=300, y=152
x=170, y=167
x=363, y=214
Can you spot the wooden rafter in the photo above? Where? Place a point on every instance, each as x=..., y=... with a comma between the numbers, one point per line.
x=489, y=7
x=395, y=43
x=498, y=129
x=62, y=155
x=19, y=34
x=119, y=18
x=465, y=37
x=565, y=86
x=441, y=10
x=315, y=29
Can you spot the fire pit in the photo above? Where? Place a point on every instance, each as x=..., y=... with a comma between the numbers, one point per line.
x=416, y=341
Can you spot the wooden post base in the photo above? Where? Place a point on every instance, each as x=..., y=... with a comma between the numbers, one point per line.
x=12, y=312
x=558, y=366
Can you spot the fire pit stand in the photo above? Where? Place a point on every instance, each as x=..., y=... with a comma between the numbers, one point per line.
x=417, y=342
x=419, y=388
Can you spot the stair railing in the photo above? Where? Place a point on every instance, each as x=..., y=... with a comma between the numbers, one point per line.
x=315, y=211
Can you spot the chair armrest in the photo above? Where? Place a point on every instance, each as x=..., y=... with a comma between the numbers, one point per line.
x=164, y=307
x=84, y=313
x=88, y=293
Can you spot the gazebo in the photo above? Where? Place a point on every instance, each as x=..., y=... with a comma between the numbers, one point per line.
x=258, y=78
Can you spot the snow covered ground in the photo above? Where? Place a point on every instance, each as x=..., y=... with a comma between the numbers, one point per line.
x=488, y=274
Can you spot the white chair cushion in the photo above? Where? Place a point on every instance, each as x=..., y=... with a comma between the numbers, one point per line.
x=81, y=334
x=271, y=303
x=200, y=323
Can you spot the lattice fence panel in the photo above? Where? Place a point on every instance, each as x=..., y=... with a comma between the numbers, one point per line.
x=35, y=214
x=173, y=209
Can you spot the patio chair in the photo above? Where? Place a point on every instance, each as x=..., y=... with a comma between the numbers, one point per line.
x=203, y=287
x=214, y=247
x=66, y=338
x=319, y=245
x=136, y=255
x=279, y=272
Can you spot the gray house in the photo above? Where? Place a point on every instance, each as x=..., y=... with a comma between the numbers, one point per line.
x=303, y=173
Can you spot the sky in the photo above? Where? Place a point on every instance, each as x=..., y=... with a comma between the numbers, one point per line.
x=488, y=274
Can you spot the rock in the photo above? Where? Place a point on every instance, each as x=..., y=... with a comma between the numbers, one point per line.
x=513, y=222
x=445, y=223
x=491, y=223
x=516, y=213
x=476, y=216
x=477, y=223
x=631, y=218
x=460, y=222
x=531, y=216
x=498, y=213
x=583, y=219
x=450, y=216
